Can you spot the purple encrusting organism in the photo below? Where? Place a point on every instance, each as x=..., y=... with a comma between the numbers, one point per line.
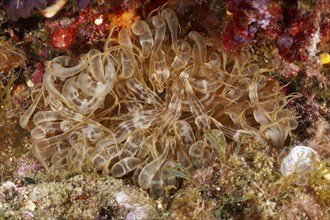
x=82, y=4
x=21, y=8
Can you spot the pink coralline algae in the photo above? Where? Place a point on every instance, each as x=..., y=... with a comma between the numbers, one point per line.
x=38, y=74
x=296, y=34
x=92, y=26
x=285, y=25
x=249, y=20
x=89, y=26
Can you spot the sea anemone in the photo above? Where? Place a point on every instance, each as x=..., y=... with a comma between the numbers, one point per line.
x=150, y=101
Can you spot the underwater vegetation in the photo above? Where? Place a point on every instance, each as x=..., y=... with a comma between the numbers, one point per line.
x=6, y=85
x=247, y=184
x=147, y=103
x=12, y=136
x=12, y=57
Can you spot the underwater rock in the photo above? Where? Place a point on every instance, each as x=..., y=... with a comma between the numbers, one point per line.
x=7, y=190
x=22, y=8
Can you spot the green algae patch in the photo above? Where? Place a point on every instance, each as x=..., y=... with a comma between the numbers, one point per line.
x=79, y=197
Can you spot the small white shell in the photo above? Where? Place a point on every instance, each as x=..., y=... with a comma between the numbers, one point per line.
x=300, y=159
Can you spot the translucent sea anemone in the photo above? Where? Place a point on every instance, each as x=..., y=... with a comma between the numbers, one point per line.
x=151, y=100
